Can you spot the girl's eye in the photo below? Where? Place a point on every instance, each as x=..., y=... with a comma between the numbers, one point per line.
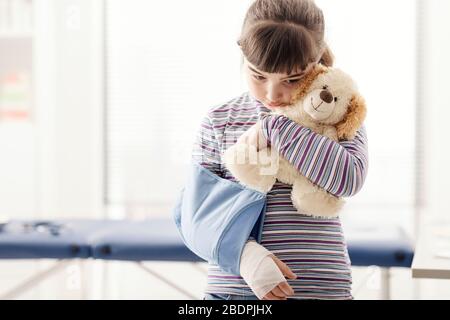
x=257, y=77
x=292, y=81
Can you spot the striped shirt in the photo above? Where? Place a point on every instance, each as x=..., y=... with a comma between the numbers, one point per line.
x=313, y=248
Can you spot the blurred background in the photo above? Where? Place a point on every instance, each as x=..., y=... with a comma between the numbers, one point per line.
x=100, y=101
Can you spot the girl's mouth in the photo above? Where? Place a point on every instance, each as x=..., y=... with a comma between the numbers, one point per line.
x=275, y=105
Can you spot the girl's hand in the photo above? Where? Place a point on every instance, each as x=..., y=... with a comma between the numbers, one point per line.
x=283, y=289
x=255, y=137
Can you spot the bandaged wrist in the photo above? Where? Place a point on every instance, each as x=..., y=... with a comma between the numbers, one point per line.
x=259, y=270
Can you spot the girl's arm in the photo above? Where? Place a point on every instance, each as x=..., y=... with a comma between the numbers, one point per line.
x=338, y=167
x=206, y=147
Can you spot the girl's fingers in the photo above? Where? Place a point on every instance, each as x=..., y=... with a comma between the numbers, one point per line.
x=286, y=288
x=278, y=292
x=271, y=296
x=284, y=268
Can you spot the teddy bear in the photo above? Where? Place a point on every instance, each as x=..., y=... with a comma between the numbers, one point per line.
x=326, y=101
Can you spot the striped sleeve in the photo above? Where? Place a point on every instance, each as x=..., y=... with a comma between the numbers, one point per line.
x=338, y=167
x=206, y=148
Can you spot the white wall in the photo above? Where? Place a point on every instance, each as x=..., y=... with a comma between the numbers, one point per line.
x=436, y=104
x=68, y=137
x=69, y=108
x=433, y=82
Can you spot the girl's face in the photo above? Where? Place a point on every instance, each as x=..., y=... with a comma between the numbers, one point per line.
x=274, y=90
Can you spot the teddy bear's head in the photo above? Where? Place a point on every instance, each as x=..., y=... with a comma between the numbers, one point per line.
x=329, y=96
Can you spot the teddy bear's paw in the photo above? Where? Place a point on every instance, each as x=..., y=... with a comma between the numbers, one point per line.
x=241, y=154
x=237, y=162
x=249, y=174
x=238, y=170
x=303, y=186
x=251, y=177
x=263, y=184
x=319, y=204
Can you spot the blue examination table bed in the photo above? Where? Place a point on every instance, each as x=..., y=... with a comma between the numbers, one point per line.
x=158, y=240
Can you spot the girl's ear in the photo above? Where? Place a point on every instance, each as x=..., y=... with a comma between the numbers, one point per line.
x=353, y=120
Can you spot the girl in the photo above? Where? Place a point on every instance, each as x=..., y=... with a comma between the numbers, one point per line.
x=280, y=41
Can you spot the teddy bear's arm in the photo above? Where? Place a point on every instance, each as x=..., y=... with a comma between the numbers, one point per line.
x=247, y=160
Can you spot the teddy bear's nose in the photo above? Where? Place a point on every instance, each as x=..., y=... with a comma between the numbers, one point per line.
x=326, y=96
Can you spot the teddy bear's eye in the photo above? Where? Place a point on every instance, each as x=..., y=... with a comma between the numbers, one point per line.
x=335, y=99
x=325, y=87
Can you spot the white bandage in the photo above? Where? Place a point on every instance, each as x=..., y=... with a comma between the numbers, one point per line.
x=259, y=270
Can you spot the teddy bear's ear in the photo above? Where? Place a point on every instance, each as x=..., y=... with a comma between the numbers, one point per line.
x=353, y=120
x=306, y=82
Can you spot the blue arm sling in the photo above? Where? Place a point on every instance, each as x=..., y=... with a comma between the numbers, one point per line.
x=215, y=217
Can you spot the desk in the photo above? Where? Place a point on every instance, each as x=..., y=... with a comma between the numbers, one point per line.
x=432, y=256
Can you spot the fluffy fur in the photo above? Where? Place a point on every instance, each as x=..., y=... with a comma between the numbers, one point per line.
x=328, y=102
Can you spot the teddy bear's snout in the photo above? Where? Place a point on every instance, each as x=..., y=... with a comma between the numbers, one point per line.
x=326, y=96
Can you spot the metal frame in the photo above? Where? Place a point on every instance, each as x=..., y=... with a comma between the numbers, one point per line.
x=35, y=280
x=167, y=281
x=385, y=292
x=385, y=283
x=38, y=277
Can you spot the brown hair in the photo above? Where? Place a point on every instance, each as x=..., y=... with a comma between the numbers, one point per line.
x=281, y=35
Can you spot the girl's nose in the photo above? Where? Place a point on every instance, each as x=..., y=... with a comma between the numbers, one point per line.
x=273, y=94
